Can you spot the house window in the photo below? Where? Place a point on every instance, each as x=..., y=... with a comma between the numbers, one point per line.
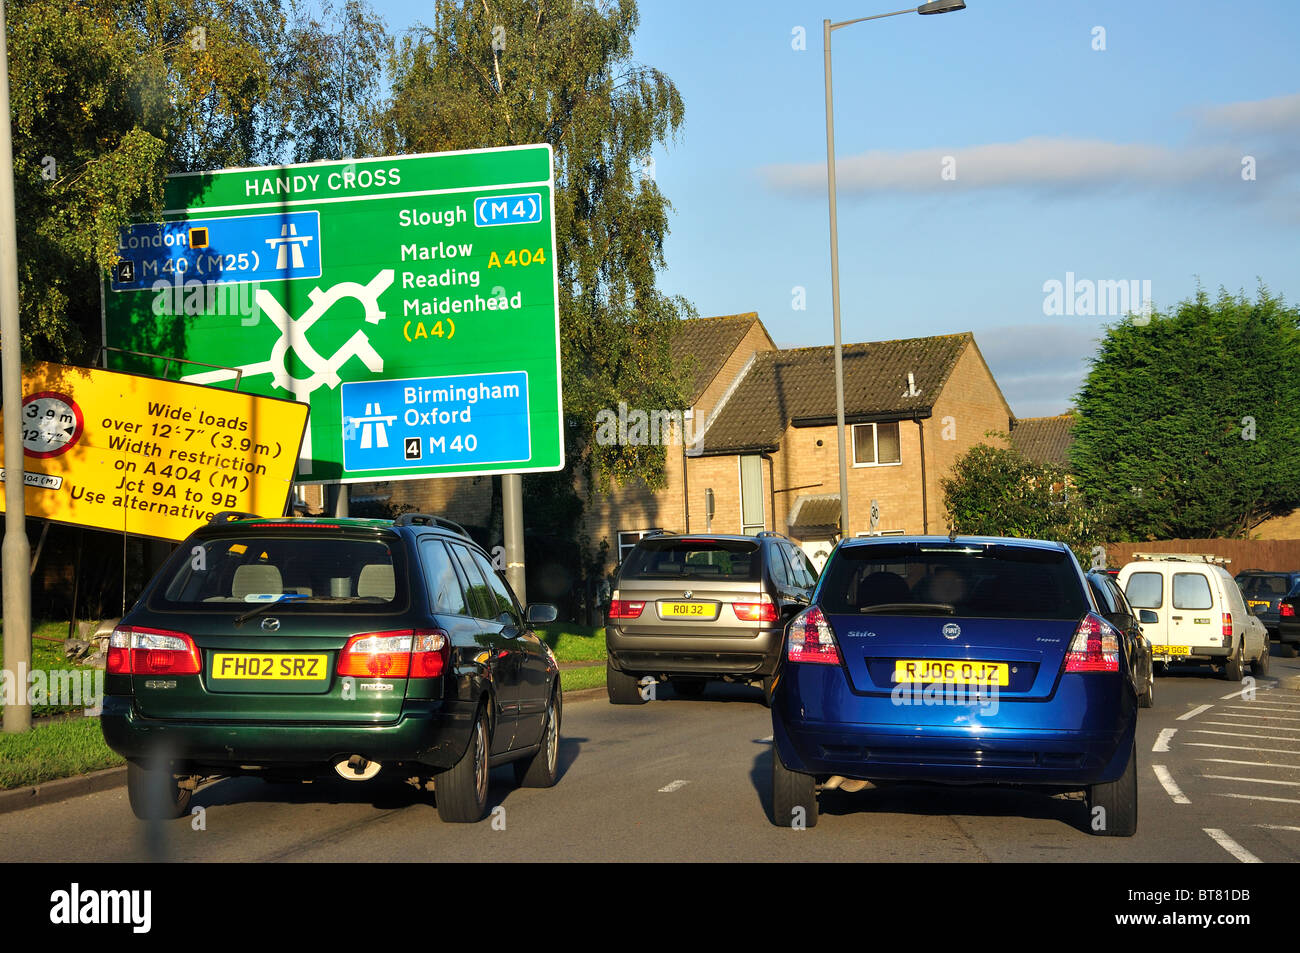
x=751, y=496
x=875, y=445
x=628, y=538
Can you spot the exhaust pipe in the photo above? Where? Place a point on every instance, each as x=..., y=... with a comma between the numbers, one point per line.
x=356, y=768
x=839, y=783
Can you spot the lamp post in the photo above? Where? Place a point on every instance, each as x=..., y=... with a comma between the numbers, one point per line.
x=938, y=6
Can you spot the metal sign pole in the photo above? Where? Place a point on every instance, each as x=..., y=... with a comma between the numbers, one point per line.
x=17, y=551
x=512, y=517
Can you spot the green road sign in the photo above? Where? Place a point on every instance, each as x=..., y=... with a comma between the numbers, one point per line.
x=411, y=300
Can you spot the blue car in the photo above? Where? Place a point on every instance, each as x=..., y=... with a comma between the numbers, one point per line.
x=959, y=660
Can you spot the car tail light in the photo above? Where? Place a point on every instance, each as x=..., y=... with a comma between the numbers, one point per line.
x=429, y=653
x=377, y=655
x=764, y=611
x=134, y=650
x=811, y=639
x=1227, y=627
x=1095, y=647
x=624, y=608
x=1286, y=610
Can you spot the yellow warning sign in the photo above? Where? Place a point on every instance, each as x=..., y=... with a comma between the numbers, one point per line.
x=151, y=457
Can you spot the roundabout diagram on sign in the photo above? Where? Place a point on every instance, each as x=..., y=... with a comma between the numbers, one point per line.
x=52, y=424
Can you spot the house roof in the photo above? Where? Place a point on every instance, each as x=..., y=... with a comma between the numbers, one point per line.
x=798, y=386
x=1044, y=439
x=710, y=341
x=822, y=509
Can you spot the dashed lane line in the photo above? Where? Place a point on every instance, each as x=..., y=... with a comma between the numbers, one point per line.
x=1242, y=734
x=1171, y=787
x=672, y=786
x=1233, y=724
x=1231, y=846
x=1207, y=744
x=1163, y=739
x=1194, y=712
x=1257, y=764
x=1278, y=827
x=1260, y=797
x=1224, y=777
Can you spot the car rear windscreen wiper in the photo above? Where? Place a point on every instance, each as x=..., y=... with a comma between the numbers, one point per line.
x=264, y=606
x=918, y=608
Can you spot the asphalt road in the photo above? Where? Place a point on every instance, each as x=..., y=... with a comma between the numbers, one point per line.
x=688, y=780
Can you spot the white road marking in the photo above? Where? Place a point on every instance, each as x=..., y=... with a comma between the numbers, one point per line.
x=1289, y=711
x=1243, y=691
x=1194, y=712
x=1231, y=846
x=1260, y=797
x=1233, y=724
x=1167, y=782
x=1162, y=739
x=1206, y=744
x=1224, y=777
x=1233, y=714
x=1258, y=764
x=672, y=786
x=768, y=739
x=1278, y=827
x=1241, y=734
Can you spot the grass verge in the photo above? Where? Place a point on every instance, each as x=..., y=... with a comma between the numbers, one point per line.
x=575, y=643
x=576, y=679
x=46, y=657
x=61, y=749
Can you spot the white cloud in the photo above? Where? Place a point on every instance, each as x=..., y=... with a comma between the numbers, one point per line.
x=1279, y=114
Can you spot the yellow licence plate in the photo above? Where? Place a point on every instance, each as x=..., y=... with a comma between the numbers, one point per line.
x=688, y=610
x=1171, y=650
x=956, y=672
x=249, y=666
x=1256, y=602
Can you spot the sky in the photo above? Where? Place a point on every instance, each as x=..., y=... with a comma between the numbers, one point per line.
x=981, y=156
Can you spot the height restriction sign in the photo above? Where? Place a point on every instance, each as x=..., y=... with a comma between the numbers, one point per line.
x=410, y=300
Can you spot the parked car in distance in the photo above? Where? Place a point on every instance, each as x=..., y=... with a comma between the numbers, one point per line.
x=1264, y=592
x=1288, y=628
x=698, y=607
x=1116, y=610
x=1192, y=611
x=290, y=648
x=958, y=660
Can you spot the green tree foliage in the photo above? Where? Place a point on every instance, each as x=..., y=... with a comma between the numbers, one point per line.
x=510, y=72
x=1187, y=424
x=108, y=97
x=996, y=491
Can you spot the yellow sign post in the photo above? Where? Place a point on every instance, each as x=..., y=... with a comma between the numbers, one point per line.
x=152, y=457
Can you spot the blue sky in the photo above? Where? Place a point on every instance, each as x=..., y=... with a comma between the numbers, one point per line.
x=1115, y=164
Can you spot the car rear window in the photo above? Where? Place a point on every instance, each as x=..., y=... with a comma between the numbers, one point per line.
x=1192, y=591
x=1145, y=590
x=305, y=570
x=736, y=560
x=1271, y=586
x=982, y=581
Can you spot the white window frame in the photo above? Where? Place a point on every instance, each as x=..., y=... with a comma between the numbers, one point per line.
x=875, y=444
x=740, y=487
x=633, y=536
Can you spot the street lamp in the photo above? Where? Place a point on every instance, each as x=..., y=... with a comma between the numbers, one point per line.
x=937, y=6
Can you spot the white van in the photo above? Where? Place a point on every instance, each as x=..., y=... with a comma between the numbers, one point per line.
x=1191, y=610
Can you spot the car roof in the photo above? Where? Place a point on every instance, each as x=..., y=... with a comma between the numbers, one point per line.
x=956, y=541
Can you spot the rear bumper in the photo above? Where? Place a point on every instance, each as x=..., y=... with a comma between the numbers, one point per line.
x=1287, y=632
x=431, y=733
x=754, y=656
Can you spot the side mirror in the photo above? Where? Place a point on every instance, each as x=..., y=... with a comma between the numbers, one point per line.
x=1147, y=616
x=540, y=613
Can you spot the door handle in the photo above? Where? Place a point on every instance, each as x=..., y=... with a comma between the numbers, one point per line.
x=1176, y=618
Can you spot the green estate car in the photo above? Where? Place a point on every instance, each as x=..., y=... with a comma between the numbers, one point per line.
x=288, y=648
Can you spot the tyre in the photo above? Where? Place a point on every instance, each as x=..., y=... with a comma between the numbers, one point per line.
x=155, y=795
x=769, y=682
x=623, y=689
x=1118, y=801
x=1235, y=666
x=1148, y=697
x=1160, y=668
x=1260, y=665
x=794, y=796
x=542, y=768
x=1289, y=649
x=689, y=687
x=461, y=791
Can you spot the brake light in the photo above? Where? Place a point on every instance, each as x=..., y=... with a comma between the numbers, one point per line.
x=625, y=609
x=289, y=526
x=764, y=611
x=811, y=639
x=401, y=653
x=429, y=653
x=135, y=650
x=1286, y=609
x=1227, y=627
x=1095, y=647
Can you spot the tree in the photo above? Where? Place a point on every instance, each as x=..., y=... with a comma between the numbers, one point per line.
x=996, y=491
x=1187, y=424
x=108, y=97
x=511, y=72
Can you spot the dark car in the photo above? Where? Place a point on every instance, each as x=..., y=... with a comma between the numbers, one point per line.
x=1115, y=608
x=692, y=608
x=966, y=660
x=287, y=648
x=1264, y=591
x=1288, y=629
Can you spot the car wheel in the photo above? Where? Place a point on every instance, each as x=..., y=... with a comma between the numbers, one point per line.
x=1118, y=801
x=1260, y=665
x=1235, y=667
x=1160, y=668
x=623, y=689
x=155, y=795
x=689, y=687
x=794, y=796
x=769, y=682
x=461, y=791
x=542, y=768
x=1147, y=698
x=1289, y=649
